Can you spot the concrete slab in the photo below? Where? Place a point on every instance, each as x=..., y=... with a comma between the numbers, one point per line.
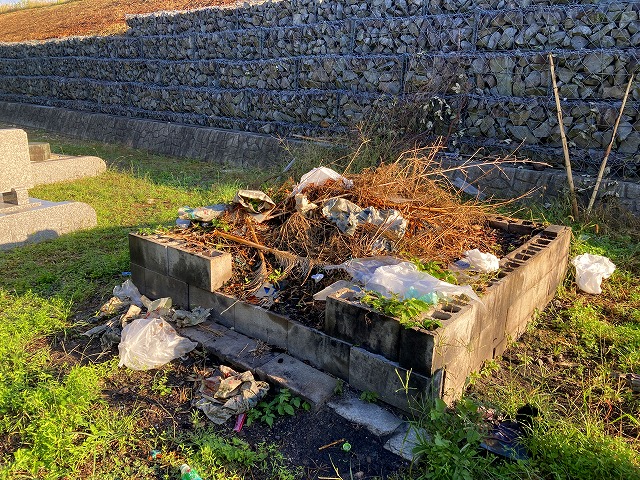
x=305, y=381
x=231, y=347
x=405, y=440
x=65, y=168
x=15, y=171
x=377, y=420
x=44, y=221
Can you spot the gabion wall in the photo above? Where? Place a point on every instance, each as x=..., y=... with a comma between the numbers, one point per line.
x=315, y=67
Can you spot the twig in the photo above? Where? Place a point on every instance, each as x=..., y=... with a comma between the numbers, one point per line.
x=331, y=444
x=565, y=147
x=609, y=147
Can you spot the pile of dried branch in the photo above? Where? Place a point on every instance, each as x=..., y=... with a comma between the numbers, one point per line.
x=440, y=226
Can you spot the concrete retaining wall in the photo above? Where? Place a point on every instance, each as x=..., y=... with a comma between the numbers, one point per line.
x=316, y=68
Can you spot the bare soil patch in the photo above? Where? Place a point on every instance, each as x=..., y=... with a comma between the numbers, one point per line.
x=85, y=17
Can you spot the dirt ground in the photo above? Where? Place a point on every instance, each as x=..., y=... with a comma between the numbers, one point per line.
x=171, y=411
x=85, y=17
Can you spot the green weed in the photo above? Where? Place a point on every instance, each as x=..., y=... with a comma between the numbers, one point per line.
x=407, y=311
x=283, y=403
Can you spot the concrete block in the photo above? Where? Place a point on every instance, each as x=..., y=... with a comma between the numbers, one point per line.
x=65, y=168
x=42, y=220
x=372, y=372
x=260, y=323
x=149, y=251
x=229, y=346
x=208, y=272
x=304, y=381
x=354, y=323
x=376, y=419
x=15, y=172
x=137, y=277
x=158, y=286
x=39, y=151
x=405, y=440
x=319, y=349
x=222, y=305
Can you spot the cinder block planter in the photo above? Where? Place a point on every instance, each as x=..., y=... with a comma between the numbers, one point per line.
x=365, y=348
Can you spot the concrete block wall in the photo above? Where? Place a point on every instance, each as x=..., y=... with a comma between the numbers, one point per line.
x=367, y=349
x=316, y=67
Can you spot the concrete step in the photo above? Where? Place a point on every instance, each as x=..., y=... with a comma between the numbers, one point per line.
x=246, y=353
x=316, y=387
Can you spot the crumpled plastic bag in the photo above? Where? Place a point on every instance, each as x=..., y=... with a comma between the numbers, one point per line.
x=482, y=262
x=150, y=343
x=347, y=216
x=389, y=275
x=591, y=270
x=202, y=214
x=258, y=204
x=318, y=177
x=185, y=318
x=228, y=393
x=405, y=280
x=303, y=205
x=128, y=291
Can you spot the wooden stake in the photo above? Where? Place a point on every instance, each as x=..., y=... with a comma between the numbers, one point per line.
x=608, y=151
x=565, y=147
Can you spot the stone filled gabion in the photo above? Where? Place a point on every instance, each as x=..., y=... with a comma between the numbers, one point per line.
x=317, y=67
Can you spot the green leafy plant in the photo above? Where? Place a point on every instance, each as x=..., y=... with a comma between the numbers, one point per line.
x=368, y=396
x=435, y=269
x=408, y=311
x=284, y=403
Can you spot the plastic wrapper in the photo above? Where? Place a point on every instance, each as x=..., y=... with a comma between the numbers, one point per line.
x=150, y=343
x=317, y=177
x=201, y=214
x=347, y=216
x=591, y=270
x=482, y=262
x=257, y=204
x=128, y=291
x=228, y=393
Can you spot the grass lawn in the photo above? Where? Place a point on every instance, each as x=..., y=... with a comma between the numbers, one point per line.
x=57, y=420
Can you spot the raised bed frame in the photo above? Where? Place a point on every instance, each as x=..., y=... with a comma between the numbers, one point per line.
x=369, y=350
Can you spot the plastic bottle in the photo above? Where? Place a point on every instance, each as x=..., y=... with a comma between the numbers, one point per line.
x=188, y=473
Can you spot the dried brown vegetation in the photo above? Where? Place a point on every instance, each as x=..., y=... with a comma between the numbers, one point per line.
x=84, y=17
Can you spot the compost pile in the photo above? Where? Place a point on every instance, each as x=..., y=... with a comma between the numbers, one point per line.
x=289, y=233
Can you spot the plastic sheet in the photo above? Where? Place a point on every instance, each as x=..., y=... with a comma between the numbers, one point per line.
x=150, y=343
x=591, y=270
x=317, y=177
x=389, y=275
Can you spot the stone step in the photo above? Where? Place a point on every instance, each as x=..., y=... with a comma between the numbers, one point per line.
x=316, y=387
x=247, y=353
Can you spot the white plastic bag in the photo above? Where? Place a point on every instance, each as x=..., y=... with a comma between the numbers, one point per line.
x=128, y=291
x=150, y=343
x=319, y=176
x=591, y=270
x=482, y=262
x=405, y=280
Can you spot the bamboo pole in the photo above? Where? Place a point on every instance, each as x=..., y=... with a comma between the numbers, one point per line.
x=609, y=147
x=565, y=147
